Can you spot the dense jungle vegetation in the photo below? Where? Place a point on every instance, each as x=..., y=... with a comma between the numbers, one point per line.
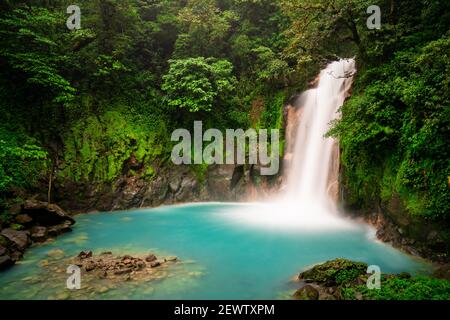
x=76, y=104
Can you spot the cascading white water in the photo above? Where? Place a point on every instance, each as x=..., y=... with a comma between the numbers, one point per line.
x=305, y=202
x=309, y=173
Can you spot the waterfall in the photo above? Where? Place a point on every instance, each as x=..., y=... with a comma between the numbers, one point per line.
x=311, y=160
x=310, y=172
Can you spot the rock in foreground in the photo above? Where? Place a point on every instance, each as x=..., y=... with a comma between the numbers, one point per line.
x=342, y=279
x=33, y=222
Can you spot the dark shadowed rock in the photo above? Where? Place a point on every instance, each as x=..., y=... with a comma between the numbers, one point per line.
x=46, y=214
x=54, y=231
x=443, y=272
x=2, y=251
x=19, y=238
x=150, y=258
x=16, y=255
x=85, y=254
x=5, y=262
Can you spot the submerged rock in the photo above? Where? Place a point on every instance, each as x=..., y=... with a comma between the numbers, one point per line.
x=56, y=254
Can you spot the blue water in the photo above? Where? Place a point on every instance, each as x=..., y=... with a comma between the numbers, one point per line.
x=220, y=258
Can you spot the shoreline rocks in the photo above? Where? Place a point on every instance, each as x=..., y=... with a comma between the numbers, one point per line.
x=34, y=222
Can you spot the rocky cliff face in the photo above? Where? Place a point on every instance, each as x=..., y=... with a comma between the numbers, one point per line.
x=395, y=225
x=169, y=185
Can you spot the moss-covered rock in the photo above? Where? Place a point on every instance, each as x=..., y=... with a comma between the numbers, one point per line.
x=335, y=272
x=343, y=279
x=307, y=292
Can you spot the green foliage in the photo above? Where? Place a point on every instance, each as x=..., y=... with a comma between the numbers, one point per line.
x=349, y=278
x=21, y=160
x=199, y=84
x=97, y=148
x=415, y=288
x=335, y=272
x=33, y=42
x=394, y=132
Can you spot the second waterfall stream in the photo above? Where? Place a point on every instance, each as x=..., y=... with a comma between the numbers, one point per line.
x=308, y=199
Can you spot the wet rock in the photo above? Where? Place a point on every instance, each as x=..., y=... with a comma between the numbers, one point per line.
x=59, y=229
x=443, y=272
x=43, y=263
x=5, y=262
x=188, y=189
x=334, y=272
x=16, y=255
x=150, y=258
x=90, y=265
x=85, y=254
x=19, y=238
x=123, y=271
x=307, y=292
x=155, y=264
x=38, y=234
x=103, y=289
x=46, y=214
x=56, y=254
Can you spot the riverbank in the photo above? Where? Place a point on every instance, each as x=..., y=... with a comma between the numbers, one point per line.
x=33, y=222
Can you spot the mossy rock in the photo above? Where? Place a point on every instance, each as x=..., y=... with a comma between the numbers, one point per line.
x=335, y=272
x=307, y=292
x=17, y=226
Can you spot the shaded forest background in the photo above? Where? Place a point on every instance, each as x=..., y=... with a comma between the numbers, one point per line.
x=76, y=105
